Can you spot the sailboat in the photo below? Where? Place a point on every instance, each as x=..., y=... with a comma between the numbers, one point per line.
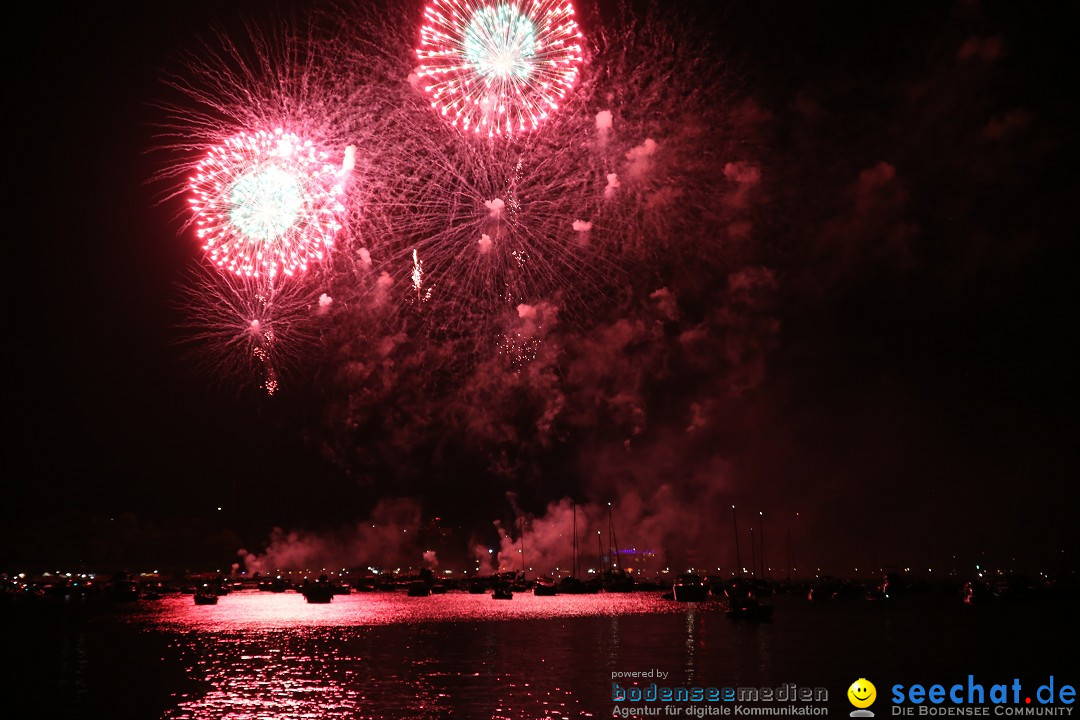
x=617, y=579
x=572, y=585
x=545, y=587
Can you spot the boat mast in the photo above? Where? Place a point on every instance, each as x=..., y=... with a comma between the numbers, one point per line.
x=753, y=554
x=574, y=569
x=522, y=541
x=738, y=553
x=789, y=555
x=613, y=545
x=762, y=541
x=600, y=550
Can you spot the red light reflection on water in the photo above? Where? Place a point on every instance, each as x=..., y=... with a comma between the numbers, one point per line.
x=251, y=610
x=383, y=655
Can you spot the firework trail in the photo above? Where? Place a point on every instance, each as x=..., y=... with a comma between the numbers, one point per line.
x=495, y=228
x=243, y=330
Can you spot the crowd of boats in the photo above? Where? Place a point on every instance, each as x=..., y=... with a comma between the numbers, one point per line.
x=741, y=598
x=746, y=596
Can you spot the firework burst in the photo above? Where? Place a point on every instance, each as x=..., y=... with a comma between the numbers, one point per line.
x=245, y=331
x=267, y=203
x=260, y=132
x=498, y=68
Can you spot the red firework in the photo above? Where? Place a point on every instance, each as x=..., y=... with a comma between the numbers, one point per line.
x=267, y=203
x=498, y=67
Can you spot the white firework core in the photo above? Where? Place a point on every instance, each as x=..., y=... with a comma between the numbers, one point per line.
x=500, y=42
x=265, y=202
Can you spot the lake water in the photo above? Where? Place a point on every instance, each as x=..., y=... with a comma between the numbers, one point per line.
x=262, y=655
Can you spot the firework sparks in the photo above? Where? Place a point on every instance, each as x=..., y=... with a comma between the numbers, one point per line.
x=498, y=68
x=418, y=278
x=246, y=330
x=518, y=349
x=492, y=231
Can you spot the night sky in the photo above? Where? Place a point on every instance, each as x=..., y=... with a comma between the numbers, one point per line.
x=892, y=357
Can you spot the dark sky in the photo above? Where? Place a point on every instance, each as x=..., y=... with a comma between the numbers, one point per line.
x=117, y=421
x=915, y=390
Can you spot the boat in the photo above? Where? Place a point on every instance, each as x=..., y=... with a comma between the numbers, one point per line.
x=319, y=592
x=365, y=584
x=122, y=590
x=572, y=586
x=418, y=589
x=615, y=578
x=829, y=588
x=502, y=593
x=892, y=586
x=749, y=608
x=617, y=581
x=206, y=595
x=742, y=601
x=317, y=595
x=545, y=587
x=152, y=591
x=276, y=585
x=689, y=587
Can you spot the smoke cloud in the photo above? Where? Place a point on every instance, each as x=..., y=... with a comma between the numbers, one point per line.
x=387, y=539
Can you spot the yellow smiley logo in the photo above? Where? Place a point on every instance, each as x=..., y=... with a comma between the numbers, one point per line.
x=862, y=693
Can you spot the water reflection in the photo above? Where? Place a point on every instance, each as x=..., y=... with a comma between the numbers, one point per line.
x=262, y=655
x=258, y=655
x=73, y=661
x=247, y=610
